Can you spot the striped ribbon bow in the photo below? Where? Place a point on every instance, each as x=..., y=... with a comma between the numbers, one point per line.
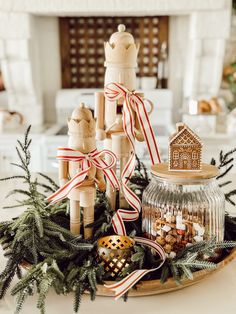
x=87, y=160
x=132, y=102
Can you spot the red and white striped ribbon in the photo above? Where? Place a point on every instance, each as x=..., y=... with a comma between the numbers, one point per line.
x=121, y=287
x=94, y=158
x=132, y=102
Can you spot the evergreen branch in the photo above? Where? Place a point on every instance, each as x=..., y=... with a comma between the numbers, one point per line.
x=46, y=187
x=228, y=196
x=21, y=297
x=224, y=184
x=39, y=223
x=231, y=193
x=79, y=290
x=198, y=264
x=13, y=206
x=230, y=201
x=28, y=144
x=187, y=272
x=50, y=180
x=43, y=287
x=27, y=141
x=18, y=191
x=225, y=172
x=12, y=178
x=22, y=160
x=175, y=273
x=18, y=166
x=231, y=152
x=165, y=273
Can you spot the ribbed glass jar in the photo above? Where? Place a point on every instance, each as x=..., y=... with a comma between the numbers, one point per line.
x=180, y=208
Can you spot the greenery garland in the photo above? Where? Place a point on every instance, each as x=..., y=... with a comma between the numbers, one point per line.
x=40, y=238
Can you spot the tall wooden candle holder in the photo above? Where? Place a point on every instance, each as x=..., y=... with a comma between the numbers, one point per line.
x=120, y=61
x=81, y=127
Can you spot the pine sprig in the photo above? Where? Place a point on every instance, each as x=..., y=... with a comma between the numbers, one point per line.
x=140, y=179
x=34, y=236
x=230, y=227
x=43, y=275
x=225, y=165
x=229, y=195
x=79, y=290
x=192, y=258
x=52, y=183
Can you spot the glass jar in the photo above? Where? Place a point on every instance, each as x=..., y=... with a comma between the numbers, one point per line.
x=182, y=207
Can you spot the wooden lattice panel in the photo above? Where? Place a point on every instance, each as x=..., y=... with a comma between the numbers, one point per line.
x=82, y=49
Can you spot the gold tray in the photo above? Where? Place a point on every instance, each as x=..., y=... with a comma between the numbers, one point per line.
x=152, y=287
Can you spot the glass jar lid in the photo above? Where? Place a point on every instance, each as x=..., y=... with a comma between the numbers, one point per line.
x=162, y=171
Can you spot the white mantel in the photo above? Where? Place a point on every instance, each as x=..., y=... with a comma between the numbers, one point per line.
x=198, y=30
x=114, y=7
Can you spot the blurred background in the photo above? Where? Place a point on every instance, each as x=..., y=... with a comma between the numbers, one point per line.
x=52, y=58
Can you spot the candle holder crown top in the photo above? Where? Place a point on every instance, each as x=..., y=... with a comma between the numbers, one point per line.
x=121, y=49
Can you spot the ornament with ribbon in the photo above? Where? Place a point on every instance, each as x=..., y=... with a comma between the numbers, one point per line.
x=95, y=158
x=133, y=103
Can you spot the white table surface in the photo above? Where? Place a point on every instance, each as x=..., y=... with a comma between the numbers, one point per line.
x=215, y=295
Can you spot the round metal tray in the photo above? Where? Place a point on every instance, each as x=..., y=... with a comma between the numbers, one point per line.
x=152, y=287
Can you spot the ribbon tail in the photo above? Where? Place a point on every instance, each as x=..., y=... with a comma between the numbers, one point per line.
x=147, y=131
x=113, y=178
x=118, y=224
x=109, y=172
x=63, y=191
x=127, y=215
x=121, y=287
x=127, y=283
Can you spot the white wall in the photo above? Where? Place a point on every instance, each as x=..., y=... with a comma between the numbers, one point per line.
x=178, y=39
x=49, y=55
x=20, y=65
x=32, y=72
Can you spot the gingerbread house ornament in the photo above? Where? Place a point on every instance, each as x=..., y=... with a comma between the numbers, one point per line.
x=185, y=150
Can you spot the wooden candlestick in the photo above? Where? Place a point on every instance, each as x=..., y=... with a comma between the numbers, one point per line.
x=121, y=61
x=82, y=139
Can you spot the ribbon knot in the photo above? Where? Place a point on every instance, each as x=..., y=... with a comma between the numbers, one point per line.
x=88, y=158
x=115, y=91
x=94, y=158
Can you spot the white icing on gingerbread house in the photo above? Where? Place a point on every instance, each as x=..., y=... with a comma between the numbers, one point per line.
x=185, y=150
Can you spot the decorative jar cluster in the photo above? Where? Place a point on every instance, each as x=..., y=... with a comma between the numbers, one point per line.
x=180, y=208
